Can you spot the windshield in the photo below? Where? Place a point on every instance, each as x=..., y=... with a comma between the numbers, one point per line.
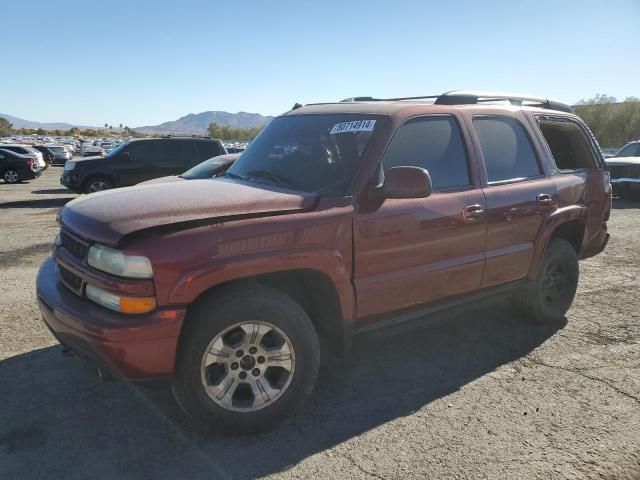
x=312, y=153
x=118, y=149
x=631, y=150
x=206, y=169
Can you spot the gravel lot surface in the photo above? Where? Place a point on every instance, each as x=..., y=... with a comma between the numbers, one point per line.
x=482, y=395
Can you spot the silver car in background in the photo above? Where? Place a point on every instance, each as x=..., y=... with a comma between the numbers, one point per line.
x=60, y=154
x=28, y=151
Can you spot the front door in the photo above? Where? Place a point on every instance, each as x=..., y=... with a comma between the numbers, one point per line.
x=410, y=252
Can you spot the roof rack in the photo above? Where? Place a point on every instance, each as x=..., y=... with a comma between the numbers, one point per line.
x=467, y=97
x=184, y=135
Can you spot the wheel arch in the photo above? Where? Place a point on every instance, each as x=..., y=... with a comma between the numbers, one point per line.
x=109, y=176
x=312, y=289
x=567, y=223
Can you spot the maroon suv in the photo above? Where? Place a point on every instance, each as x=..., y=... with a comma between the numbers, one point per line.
x=337, y=219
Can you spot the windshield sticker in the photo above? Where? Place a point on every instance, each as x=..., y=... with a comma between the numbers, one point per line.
x=354, y=126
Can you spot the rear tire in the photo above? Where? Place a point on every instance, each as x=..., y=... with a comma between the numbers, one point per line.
x=228, y=379
x=11, y=176
x=549, y=295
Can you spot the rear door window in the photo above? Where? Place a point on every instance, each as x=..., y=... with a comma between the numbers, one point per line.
x=178, y=153
x=208, y=150
x=435, y=144
x=145, y=151
x=506, y=149
x=568, y=144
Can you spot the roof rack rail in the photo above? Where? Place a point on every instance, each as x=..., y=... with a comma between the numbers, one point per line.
x=464, y=97
x=467, y=97
x=184, y=135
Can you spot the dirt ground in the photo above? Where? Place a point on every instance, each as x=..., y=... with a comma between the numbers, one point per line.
x=482, y=395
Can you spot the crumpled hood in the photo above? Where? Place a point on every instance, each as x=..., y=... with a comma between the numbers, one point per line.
x=107, y=216
x=170, y=178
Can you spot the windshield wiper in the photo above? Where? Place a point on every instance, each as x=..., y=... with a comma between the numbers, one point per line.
x=279, y=179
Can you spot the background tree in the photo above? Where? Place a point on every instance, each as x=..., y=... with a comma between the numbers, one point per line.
x=613, y=123
x=6, y=127
x=225, y=132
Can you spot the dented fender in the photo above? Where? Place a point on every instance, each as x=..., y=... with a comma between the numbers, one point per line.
x=205, y=276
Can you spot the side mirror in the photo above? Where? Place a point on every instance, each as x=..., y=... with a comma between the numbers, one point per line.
x=405, y=182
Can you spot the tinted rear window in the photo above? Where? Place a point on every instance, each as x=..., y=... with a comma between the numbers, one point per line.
x=208, y=150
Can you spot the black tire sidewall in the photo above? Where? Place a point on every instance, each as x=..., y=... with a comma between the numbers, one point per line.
x=211, y=316
x=92, y=180
x=562, y=252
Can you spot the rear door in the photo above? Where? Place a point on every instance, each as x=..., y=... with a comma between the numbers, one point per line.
x=207, y=150
x=176, y=157
x=517, y=193
x=141, y=164
x=410, y=252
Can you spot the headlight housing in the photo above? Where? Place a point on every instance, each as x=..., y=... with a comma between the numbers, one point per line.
x=68, y=165
x=117, y=263
x=117, y=303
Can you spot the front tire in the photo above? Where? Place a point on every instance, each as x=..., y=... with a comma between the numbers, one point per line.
x=247, y=360
x=549, y=295
x=97, y=184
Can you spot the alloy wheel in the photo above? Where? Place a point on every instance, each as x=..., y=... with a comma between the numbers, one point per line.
x=11, y=176
x=98, y=186
x=248, y=366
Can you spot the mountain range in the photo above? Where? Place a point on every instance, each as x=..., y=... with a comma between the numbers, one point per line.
x=198, y=123
x=193, y=123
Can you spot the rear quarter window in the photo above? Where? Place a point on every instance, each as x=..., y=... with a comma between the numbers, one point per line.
x=568, y=144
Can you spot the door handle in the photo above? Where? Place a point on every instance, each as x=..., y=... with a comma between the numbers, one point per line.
x=473, y=213
x=544, y=200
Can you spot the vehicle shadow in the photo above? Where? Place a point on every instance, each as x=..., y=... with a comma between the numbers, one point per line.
x=51, y=191
x=58, y=420
x=40, y=203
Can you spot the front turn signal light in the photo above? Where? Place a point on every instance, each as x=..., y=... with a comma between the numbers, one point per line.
x=118, y=303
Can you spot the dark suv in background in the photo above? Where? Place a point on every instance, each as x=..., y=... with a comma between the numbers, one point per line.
x=138, y=160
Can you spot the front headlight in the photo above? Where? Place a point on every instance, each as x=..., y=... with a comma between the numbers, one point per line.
x=68, y=166
x=117, y=263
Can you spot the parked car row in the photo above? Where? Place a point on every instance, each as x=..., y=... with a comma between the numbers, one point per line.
x=16, y=167
x=27, y=151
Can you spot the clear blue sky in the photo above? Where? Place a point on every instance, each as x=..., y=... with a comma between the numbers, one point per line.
x=143, y=62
